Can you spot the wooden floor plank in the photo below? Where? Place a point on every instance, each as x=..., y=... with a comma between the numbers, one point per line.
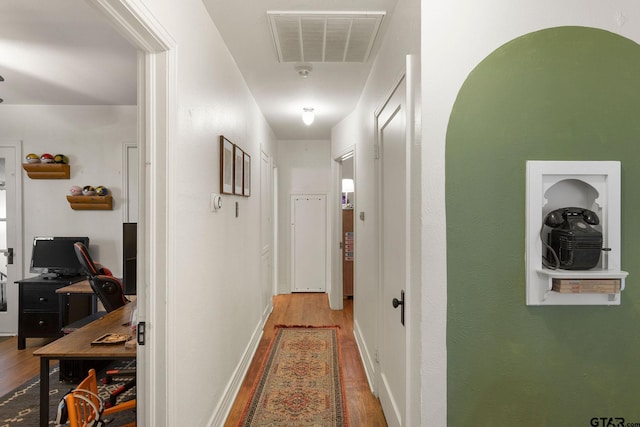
x=18, y=366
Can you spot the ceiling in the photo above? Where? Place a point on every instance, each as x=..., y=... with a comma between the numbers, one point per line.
x=64, y=53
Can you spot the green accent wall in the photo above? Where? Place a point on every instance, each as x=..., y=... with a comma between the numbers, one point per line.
x=567, y=93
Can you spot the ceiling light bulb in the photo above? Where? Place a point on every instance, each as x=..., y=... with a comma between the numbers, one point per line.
x=307, y=116
x=304, y=70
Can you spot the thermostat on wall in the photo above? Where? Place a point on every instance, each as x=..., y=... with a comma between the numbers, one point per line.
x=216, y=202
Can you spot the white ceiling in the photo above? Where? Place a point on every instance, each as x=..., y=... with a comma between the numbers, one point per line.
x=63, y=52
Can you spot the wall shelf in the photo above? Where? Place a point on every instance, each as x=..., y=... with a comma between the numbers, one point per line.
x=552, y=297
x=91, y=203
x=594, y=185
x=47, y=170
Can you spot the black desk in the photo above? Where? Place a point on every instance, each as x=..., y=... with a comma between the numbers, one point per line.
x=40, y=314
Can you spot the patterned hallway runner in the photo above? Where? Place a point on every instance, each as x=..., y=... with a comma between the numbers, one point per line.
x=300, y=383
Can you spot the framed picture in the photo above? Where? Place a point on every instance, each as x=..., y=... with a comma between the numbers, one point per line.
x=246, y=179
x=238, y=156
x=226, y=166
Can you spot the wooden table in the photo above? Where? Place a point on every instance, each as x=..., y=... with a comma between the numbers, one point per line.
x=77, y=345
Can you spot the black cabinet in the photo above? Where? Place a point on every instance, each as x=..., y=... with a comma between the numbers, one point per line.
x=42, y=312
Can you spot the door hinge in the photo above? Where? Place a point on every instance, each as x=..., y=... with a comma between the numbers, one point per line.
x=141, y=333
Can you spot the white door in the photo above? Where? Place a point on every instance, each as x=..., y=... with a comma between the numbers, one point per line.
x=10, y=248
x=393, y=255
x=308, y=243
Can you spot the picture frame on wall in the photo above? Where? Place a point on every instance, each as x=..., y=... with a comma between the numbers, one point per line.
x=246, y=178
x=226, y=165
x=238, y=156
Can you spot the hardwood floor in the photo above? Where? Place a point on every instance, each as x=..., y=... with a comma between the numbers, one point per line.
x=363, y=408
x=18, y=366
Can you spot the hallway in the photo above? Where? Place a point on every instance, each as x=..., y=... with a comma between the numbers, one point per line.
x=363, y=408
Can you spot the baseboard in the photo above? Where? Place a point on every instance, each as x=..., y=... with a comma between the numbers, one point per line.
x=267, y=311
x=231, y=390
x=368, y=361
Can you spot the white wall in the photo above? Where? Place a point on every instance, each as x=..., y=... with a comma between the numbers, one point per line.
x=92, y=138
x=303, y=167
x=214, y=296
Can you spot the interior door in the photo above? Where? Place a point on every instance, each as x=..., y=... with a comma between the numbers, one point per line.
x=393, y=255
x=9, y=245
x=308, y=243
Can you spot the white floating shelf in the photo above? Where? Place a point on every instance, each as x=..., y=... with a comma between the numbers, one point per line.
x=592, y=185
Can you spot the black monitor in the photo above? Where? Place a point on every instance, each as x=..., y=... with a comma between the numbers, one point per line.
x=54, y=257
x=129, y=255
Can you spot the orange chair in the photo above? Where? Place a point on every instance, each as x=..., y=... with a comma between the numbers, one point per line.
x=85, y=407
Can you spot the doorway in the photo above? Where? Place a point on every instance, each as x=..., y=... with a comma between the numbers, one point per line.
x=156, y=116
x=10, y=231
x=347, y=204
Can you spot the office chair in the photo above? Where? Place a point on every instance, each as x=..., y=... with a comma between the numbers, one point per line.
x=83, y=407
x=109, y=291
x=106, y=287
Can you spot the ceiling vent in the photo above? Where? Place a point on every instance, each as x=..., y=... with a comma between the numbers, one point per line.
x=324, y=36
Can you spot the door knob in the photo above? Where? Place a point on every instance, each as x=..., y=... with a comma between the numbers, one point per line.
x=399, y=303
x=9, y=254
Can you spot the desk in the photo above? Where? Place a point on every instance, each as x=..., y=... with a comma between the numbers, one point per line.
x=76, y=291
x=77, y=345
x=39, y=313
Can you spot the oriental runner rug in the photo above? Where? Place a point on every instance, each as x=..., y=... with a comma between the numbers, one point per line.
x=301, y=381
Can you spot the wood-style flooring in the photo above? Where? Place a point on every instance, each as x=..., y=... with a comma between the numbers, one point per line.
x=363, y=408
x=312, y=309
x=18, y=366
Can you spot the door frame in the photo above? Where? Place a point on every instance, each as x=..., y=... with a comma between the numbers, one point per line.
x=413, y=345
x=157, y=122
x=336, y=301
x=14, y=237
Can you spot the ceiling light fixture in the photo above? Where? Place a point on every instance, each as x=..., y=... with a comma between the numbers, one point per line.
x=304, y=70
x=308, y=116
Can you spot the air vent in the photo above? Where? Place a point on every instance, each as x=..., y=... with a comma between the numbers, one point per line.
x=324, y=36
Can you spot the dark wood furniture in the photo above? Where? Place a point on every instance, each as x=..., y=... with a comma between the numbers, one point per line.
x=40, y=312
x=71, y=293
x=77, y=346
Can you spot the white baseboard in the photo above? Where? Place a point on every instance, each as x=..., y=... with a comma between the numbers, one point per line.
x=231, y=390
x=368, y=361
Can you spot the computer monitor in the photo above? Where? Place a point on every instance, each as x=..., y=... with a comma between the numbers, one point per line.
x=129, y=255
x=54, y=257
